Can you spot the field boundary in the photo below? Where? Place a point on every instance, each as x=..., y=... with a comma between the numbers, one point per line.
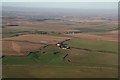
x=92, y=50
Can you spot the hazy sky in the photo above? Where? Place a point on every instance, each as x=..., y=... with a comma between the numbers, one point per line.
x=83, y=5
x=59, y=0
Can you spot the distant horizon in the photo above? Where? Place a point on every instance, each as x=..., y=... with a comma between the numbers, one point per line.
x=60, y=1
x=65, y=5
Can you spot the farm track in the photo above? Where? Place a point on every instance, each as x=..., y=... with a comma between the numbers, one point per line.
x=92, y=50
x=90, y=67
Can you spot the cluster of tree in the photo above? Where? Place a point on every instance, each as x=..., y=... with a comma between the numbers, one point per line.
x=46, y=19
x=71, y=32
x=39, y=32
x=3, y=26
x=55, y=32
x=13, y=25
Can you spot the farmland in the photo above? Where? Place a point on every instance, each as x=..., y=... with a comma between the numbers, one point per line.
x=81, y=63
x=19, y=48
x=44, y=56
x=45, y=39
x=45, y=61
x=40, y=71
x=94, y=44
x=88, y=42
x=24, y=44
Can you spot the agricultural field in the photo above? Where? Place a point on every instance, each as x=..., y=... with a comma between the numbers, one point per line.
x=40, y=71
x=103, y=37
x=36, y=38
x=93, y=44
x=24, y=44
x=76, y=43
x=50, y=61
x=14, y=48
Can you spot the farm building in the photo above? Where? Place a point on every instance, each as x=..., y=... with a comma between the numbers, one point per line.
x=62, y=46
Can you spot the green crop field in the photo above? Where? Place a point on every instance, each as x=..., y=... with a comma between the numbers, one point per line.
x=93, y=59
x=94, y=44
x=50, y=71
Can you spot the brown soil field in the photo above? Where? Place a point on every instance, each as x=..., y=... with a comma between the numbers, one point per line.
x=56, y=26
x=113, y=34
x=91, y=20
x=36, y=38
x=16, y=48
x=93, y=36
